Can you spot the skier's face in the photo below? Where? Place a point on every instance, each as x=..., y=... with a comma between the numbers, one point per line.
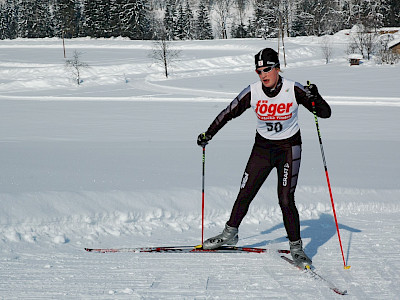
x=269, y=77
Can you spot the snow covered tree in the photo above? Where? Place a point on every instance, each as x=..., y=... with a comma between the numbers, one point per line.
x=241, y=6
x=75, y=66
x=223, y=9
x=97, y=18
x=363, y=40
x=169, y=20
x=266, y=18
x=130, y=18
x=180, y=23
x=90, y=17
x=67, y=18
x=114, y=26
x=104, y=18
x=3, y=22
x=203, y=23
x=141, y=22
x=184, y=23
x=239, y=29
x=373, y=13
x=8, y=20
x=24, y=17
x=384, y=55
x=188, y=22
x=259, y=22
x=127, y=17
x=392, y=17
x=146, y=19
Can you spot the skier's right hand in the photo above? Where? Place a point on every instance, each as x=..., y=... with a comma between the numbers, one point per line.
x=203, y=139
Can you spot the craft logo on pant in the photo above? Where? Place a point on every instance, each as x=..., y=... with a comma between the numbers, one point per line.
x=285, y=173
x=244, y=180
x=274, y=111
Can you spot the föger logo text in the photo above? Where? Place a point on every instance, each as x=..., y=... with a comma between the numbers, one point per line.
x=274, y=111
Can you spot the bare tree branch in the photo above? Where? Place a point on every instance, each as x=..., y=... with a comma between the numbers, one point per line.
x=75, y=66
x=163, y=55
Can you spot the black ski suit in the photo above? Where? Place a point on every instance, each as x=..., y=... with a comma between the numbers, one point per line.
x=282, y=154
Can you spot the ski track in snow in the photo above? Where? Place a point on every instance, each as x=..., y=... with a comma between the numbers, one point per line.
x=113, y=163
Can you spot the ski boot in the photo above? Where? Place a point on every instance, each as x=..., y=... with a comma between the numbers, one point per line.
x=229, y=236
x=298, y=255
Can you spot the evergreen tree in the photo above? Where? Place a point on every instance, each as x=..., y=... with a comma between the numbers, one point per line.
x=320, y=16
x=392, y=18
x=143, y=27
x=169, y=22
x=203, y=24
x=3, y=21
x=79, y=19
x=345, y=11
x=259, y=23
x=104, y=17
x=180, y=23
x=266, y=16
x=188, y=22
x=8, y=20
x=134, y=19
x=239, y=31
x=139, y=19
x=114, y=26
x=33, y=18
x=127, y=18
x=24, y=17
x=97, y=18
x=90, y=17
x=251, y=28
x=334, y=19
x=66, y=18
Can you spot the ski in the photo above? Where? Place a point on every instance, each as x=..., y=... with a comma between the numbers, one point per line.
x=313, y=274
x=186, y=249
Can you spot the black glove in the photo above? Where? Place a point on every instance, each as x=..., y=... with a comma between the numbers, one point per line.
x=203, y=139
x=311, y=90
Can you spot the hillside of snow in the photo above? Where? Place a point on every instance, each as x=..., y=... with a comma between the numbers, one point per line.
x=114, y=163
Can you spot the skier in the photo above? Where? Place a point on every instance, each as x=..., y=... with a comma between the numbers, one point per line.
x=275, y=101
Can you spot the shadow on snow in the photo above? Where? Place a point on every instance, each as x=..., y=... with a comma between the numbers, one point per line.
x=319, y=231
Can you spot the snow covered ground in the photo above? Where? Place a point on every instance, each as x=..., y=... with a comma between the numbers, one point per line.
x=114, y=163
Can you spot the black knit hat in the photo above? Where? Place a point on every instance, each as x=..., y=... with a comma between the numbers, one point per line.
x=266, y=58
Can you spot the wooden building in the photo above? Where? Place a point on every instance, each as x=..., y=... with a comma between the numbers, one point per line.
x=395, y=46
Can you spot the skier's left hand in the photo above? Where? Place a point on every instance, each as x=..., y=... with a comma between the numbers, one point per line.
x=311, y=90
x=203, y=139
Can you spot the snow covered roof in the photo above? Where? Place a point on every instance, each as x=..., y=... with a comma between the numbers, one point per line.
x=393, y=43
x=355, y=56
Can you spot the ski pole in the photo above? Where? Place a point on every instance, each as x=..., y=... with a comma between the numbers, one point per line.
x=328, y=181
x=202, y=194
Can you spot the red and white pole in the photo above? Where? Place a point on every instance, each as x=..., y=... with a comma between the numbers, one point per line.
x=329, y=184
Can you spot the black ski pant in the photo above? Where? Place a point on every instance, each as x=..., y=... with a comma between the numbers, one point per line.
x=266, y=155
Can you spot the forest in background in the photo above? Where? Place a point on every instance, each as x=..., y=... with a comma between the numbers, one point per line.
x=191, y=19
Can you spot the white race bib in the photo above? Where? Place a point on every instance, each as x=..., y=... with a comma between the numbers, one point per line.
x=276, y=116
